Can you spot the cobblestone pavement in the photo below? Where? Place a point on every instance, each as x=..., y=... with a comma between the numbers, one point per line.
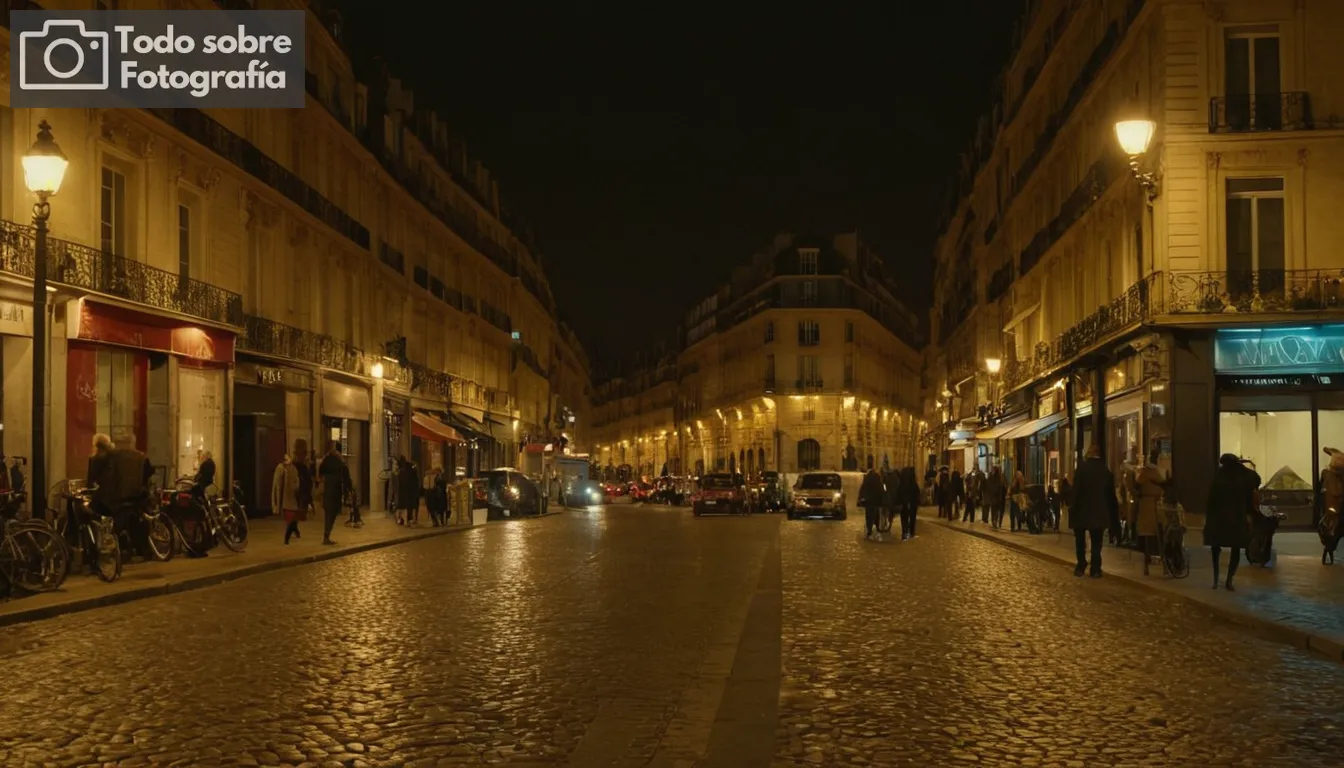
x=584, y=634
x=951, y=650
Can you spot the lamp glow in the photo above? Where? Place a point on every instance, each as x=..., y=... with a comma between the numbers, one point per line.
x=993, y=365
x=377, y=370
x=1135, y=135
x=44, y=164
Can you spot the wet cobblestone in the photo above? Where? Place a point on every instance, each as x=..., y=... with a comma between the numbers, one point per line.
x=504, y=645
x=950, y=650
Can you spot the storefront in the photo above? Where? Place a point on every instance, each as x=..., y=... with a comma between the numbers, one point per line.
x=126, y=373
x=16, y=349
x=272, y=408
x=434, y=444
x=991, y=449
x=1280, y=403
x=1038, y=445
x=480, y=446
x=346, y=415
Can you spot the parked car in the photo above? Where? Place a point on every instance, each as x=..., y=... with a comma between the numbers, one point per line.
x=721, y=493
x=640, y=491
x=508, y=493
x=818, y=495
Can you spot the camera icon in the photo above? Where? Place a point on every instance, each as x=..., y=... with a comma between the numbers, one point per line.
x=65, y=57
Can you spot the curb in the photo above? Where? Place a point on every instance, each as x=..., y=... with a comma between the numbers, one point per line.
x=1273, y=630
x=186, y=585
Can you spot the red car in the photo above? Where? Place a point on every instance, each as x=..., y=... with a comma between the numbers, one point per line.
x=721, y=494
x=640, y=491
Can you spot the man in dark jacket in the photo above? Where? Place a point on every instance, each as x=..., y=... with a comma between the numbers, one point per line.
x=871, y=495
x=908, y=497
x=1094, y=503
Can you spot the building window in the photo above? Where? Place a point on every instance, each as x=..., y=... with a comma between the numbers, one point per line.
x=1252, y=79
x=809, y=333
x=809, y=371
x=184, y=242
x=849, y=373
x=809, y=412
x=810, y=293
x=769, y=331
x=769, y=371
x=849, y=332
x=1255, y=236
x=112, y=213
x=808, y=260
x=809, y=455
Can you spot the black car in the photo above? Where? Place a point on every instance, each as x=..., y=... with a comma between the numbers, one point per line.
x=508, y=493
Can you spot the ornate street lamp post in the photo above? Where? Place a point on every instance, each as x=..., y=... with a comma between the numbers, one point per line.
x=43, y=170
x=1135, y=137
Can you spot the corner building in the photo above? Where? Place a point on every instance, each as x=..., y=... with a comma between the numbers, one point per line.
x=804, y=360
x=1182, y=302
x=235, y=280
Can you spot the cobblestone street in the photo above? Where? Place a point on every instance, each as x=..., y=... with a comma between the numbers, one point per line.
x=642, y=636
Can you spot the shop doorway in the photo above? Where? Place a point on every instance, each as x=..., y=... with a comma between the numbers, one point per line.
x=354, y=439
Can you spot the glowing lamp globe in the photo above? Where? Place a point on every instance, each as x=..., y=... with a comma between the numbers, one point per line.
x=44, y=164
x=1135, y=135
x=993, y=365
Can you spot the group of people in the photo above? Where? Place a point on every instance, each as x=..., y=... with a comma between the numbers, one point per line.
x=296, y=481
x=959, y=497
x=896, y=493
x=411, y=487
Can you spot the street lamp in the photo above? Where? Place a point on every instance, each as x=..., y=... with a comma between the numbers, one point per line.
x=43, y=170
x=1135, y=137
x=993, y=365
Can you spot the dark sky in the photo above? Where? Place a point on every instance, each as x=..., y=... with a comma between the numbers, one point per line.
x=655, y=146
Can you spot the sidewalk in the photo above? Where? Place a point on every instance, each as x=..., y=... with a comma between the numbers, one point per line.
x=266, y=551
x=1298, y=601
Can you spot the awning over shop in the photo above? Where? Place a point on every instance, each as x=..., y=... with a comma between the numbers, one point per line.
x=1039, y=425
x=496, y=418
x=1002, y=428
x=427, y=427
x=468, y=425
x=957, y=445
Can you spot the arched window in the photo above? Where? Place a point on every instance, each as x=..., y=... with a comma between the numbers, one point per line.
x=809, y=455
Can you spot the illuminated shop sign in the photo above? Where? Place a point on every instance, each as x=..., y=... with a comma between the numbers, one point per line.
x=1317, y=349
x=1282, y=380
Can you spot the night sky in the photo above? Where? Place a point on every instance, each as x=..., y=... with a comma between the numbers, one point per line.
x=654, y=146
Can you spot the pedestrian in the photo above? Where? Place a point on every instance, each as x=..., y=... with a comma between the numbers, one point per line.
x=205, y=474
x=975, y=480
x=908, y=498
x=1017, y=502
x=1332, y=497
x=277, y=485
x=1227, y=518
x=292, y=490
x=891, y=500
x=994, y=492
x=1149, y=490
x=871, y=494
x=958, y=494
x=942, y=493
x=408, y=491
x=1094, y=503
x=335, y=480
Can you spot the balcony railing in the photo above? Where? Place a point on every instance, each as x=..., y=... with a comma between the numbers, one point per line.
x=237, y=150
x=83, y=267
x=808, y=385
x=331, y=102
x=268, y=337
x=1245, y=113
x=1255, y=291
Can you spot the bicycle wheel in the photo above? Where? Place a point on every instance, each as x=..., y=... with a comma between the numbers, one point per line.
x=36, y=559
x=230, y=529
x=105, y=549
x=159, y=532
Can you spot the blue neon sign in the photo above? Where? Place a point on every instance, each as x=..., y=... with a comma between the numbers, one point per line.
x=1311, y=349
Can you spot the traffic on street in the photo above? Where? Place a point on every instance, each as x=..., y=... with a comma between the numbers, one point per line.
x=645, y=635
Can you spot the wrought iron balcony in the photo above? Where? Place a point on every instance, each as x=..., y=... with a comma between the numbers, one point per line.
x=83, y=267
x=218, y=139
x=268, y=337
x=1255, y=291
x=1254, y=112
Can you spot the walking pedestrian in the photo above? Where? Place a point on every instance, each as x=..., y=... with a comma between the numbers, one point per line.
x=1094, y=503
x=408, y=491
x=908, y=498
x=871, y=494
x=891, y=500
x=1017, y=502
x=958, y=494
x=335, y=478
x=974, y=482
x=1227, y=518
x=292, y=489
x=994, y=492
x=1148, y=487
x=942, y=493
x=1332, y=502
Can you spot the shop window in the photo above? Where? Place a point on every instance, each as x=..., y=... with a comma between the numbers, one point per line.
x=1277, y=442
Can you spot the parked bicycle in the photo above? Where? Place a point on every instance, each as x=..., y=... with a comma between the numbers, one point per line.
x=1171, y=538
x=86, y=528
x=198, y=523
x=33, y=556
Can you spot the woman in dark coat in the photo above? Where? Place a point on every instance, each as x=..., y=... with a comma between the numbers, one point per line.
x=908, y=498
x=408, y=491
x=1227, y=516
x=335, y=478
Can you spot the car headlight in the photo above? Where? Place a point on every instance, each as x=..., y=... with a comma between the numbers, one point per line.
x=799, y=501
x=513, y=490
x=594, y=493
x=838, y=496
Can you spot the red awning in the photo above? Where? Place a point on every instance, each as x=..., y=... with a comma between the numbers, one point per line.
x=430, y=428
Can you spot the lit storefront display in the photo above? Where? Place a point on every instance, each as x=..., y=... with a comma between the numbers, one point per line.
x=1280, y=403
